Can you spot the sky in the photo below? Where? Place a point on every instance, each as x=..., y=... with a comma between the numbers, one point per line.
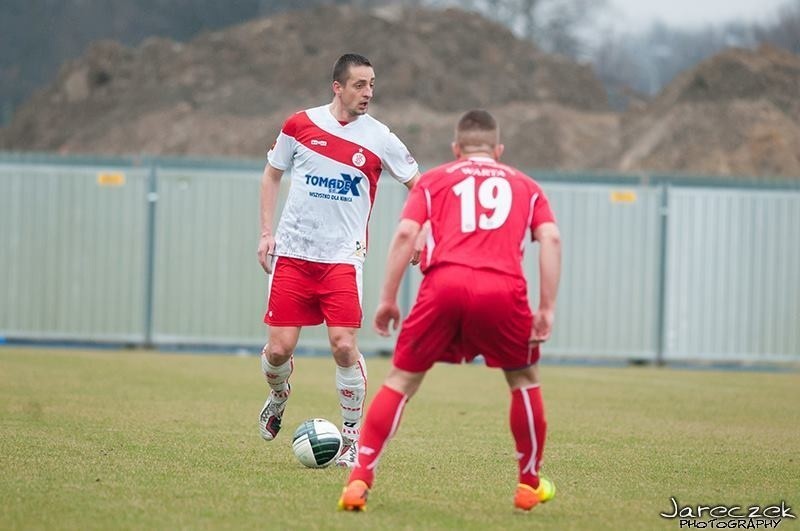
x=693, y=13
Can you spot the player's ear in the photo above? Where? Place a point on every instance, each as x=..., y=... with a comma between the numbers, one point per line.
x=337, y=88
x=456, y=149
x=498, y=151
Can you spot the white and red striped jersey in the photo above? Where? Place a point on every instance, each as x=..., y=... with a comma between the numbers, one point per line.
x=334, y=176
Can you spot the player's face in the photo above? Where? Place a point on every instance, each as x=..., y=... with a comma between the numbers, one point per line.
x=357, y=90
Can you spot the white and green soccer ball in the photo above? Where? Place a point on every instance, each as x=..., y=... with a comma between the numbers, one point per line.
x=317, y=443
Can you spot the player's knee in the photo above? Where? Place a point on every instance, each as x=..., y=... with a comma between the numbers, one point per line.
x=522, y=377
x=344, y=350
x=277, y=353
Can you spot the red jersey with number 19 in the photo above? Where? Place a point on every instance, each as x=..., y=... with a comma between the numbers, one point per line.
x=480, y=212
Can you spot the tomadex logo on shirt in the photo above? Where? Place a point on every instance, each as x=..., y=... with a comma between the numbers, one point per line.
x=337, y=189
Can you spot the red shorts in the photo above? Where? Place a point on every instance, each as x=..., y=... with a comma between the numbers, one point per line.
x=462, y=312
x=304, y=293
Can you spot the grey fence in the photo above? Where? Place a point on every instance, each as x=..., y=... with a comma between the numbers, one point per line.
x=162, y=252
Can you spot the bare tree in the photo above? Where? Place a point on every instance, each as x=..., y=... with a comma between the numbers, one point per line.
x=527, y=12
x=785, y=32
x=554, y=25
x=646, y=62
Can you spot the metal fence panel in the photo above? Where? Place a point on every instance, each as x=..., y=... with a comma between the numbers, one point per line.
x=73, y=252
x=608, y=296
x=733, y=275
x=208, y=286
x=75, y=261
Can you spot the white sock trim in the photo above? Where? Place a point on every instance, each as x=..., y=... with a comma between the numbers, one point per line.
x=277, y=376
x=398, y=414
x=531, y=465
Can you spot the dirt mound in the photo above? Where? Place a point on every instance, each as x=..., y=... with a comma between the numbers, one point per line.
x=536, y=135
x=768, y=74
x=227, y=92
x=737, y=113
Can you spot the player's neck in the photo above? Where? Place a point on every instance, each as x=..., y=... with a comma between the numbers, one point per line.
x=338, y=112
x=477, y=155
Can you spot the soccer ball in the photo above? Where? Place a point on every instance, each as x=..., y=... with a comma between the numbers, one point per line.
x=316, y=443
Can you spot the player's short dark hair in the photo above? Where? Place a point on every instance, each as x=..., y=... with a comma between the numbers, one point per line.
x=477, y=120
x=477, y=129
x=341, y=69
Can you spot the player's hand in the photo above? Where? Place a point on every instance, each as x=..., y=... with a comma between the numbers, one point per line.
x=419, y=243
x=388, y=313
x=542, y=326
x=266, y=248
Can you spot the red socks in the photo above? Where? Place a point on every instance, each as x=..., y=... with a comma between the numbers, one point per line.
x=529, y=427
x=380, y=424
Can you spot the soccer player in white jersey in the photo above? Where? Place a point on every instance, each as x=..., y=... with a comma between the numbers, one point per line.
x=335, y=155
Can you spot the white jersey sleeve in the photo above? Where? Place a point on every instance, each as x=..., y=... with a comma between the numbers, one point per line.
x=280, y=156
x=398, y=160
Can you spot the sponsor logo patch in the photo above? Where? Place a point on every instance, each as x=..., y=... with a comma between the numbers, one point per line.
x=347, y=185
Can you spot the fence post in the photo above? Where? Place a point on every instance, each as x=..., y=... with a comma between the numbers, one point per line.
x=661, y=296
x=150, y=254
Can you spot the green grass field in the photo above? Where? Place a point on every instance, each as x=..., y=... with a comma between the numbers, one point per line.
x=137, y=440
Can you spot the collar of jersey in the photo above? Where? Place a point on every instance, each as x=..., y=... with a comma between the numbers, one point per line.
x=334, y=120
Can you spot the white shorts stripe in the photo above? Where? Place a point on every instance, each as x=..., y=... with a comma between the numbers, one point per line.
x=360, y=284
x=270, y=277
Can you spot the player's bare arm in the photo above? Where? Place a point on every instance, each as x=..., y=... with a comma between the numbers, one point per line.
x=412, y=181
x=549, y=238
x=400, y=251
x=270, y=188
x=420, y=242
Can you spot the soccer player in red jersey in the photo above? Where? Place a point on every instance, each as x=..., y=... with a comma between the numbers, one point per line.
x=335, y=154
x=473, y=298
